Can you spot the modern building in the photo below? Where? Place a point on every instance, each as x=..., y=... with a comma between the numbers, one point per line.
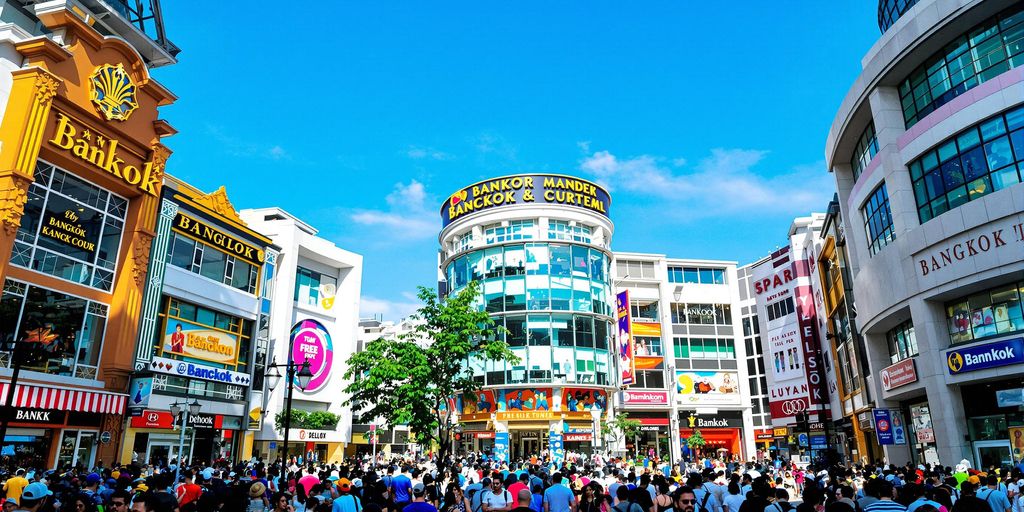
x=378, y=436
x=81, y=172
x=689, y=359
x=757, y=381
x=927, y=150
x=202, y=335
x=314, y=316
x=540, y=246
x=797, y=374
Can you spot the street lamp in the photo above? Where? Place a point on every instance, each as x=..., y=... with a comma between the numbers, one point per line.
x=297, y=373
x=595, y=414
x=191, y=409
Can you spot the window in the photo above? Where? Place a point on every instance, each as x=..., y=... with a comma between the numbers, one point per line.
x=311, y=286
x=644, y=311
x=990, y=313
x=68, y=331
x=780, y=309
x=984, y=52
x=463, y=242
x=976, y=162
x=231, y=332
x=902, y=342
x=649, y=379
x=702, y=314
x=565, y=230
x=867, y=148
x=211, y=263
x=509, y=231
x=71, y=229
x=890, y=10
x=695, y=275
x=878, y=220
x=704, y=348
x=647, y=345
x=635, y=269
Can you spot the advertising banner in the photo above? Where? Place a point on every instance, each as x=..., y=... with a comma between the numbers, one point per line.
x=899, y=429
x=556, y=447
x=583, y=400
x=311, y=342
x=480, y=408
x=198, y=371
x=501, y=446
x=811, y=348
x=899, y=374
x=922, y=419
x=645, y=397
x=883, y=426
x=1017, y=443
x=525, y=189
x=625, y=339
x=987, y=355
x=199, y=342
x=139, y=392
x=524, y=399
x=707, y=387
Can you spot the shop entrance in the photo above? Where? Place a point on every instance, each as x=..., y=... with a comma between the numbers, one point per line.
x=992, y=453
x=77, y=447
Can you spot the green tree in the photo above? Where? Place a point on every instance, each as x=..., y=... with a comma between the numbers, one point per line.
x=622, y=427
x=696, y=441
x=410, y=380
x=315, y=420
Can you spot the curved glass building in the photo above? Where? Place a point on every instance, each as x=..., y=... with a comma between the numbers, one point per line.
x=539, y=245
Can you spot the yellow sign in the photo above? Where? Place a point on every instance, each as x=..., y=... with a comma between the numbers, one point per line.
x=67, y=229
x=113, y=92
x=101, y=152
x=199, y=342
x=217, y=238
x=780, y=432
x=529, y=415
x=526, y=189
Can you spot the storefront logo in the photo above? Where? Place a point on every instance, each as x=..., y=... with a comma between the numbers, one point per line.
x=101, y=152
x=198, y=371
x=525, y=189
x=899, y=374
x=989, y=355
x=791, y=407
x=217, y=238
x=113, y=92
x=199, y=341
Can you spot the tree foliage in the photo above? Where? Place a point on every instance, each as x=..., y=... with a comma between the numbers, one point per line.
x=622, y=427
x=410, y=380
x=696, y=441
x=315, y=420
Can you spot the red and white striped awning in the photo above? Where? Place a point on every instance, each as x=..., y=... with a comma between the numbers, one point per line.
x=64, y=399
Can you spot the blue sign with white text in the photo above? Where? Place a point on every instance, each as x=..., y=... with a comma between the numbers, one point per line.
x=988, y=355
x=819, y=442
x=883, y=426
x=501, y=446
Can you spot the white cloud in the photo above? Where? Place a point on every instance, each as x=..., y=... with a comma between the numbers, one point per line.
x=725, y=182
x=407, y=216
x=394, y=310
x=235, y=146
x=427, y=153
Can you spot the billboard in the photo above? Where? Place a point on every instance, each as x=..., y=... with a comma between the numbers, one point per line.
x=478, y=408
x=197, y=341
x=524, y=399
x=583, y=400
x=712, y=387
x=539, y=189
x=311, y=342
x=624, y=339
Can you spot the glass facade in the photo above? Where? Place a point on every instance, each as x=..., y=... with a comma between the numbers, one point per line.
x=71, y=229
x=212, y=263
x=64, y=334
x=310, y=285
x=554, y=299
x=867, y=148
x=982, y=159
x=878, y=220
x=696, y=275
x=986, y=51
x=890, y=10
x=902, y=342
x=994, y=312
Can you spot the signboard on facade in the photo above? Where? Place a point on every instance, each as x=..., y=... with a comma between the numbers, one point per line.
x=501, y=446
x=311, y=342
x=165, y=420
x=483, y=435
x=899, y=428
x=986, y=355
x=713, y=387
x=197, y=341
x=313, y=436
x=883, y=426
x=636, y=397
x=217, y=238
x=766, y=434
x=899, y=374
x=577, y=437
x=525, y=189
x=627, y=365
x=139, y=391
x=198, y=371
x=693, y=420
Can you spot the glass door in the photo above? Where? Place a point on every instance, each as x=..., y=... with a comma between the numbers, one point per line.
x=77, y=447
x=992, y=453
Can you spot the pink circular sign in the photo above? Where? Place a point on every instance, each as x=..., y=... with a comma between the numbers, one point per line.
x=311, y=342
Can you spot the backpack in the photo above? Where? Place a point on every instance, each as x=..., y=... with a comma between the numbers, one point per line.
x=704, y=502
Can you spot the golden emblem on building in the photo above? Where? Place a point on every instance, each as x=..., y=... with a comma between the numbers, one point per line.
x=113, y=92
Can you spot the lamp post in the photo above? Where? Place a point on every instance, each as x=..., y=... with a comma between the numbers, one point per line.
x=295, y=372
x=595, y=414
x=189, y=409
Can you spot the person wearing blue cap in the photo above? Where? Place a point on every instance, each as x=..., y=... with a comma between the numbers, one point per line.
x=34, y=497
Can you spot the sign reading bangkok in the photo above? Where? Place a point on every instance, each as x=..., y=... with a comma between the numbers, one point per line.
x=217, y=238
x=988, y=355
x=199, y=342
x=526, y=189
x=101, y=152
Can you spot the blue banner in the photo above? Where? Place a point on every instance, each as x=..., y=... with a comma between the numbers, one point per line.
x=899, y=429
x=501, y=446
x=819, y=442
x=988, y=355
x=883, y=426
x=556, y=447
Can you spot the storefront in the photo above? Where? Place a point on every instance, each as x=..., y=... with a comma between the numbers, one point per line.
x=81, y=168
x=763, y=439
x=156, y=437
x=995, y=421
x=722, y=433
x=307, y=444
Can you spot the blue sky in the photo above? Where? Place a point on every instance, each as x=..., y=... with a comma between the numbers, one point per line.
x=706, y=120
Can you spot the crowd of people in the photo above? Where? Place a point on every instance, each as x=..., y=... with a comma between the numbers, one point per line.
x=478, y=483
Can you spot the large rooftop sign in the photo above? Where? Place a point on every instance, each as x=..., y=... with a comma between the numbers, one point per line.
x=526, y=189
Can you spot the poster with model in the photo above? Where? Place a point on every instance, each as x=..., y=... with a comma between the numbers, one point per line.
x=712, y=387
x=624, y=339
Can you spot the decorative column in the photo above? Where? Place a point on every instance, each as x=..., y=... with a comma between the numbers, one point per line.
x=154, y=285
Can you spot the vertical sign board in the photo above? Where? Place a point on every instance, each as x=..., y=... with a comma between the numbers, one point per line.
x=806, y=319
x=501, y=446
x=627, y=366
x=556, y=447
x=883, y=426
x=899, y=429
